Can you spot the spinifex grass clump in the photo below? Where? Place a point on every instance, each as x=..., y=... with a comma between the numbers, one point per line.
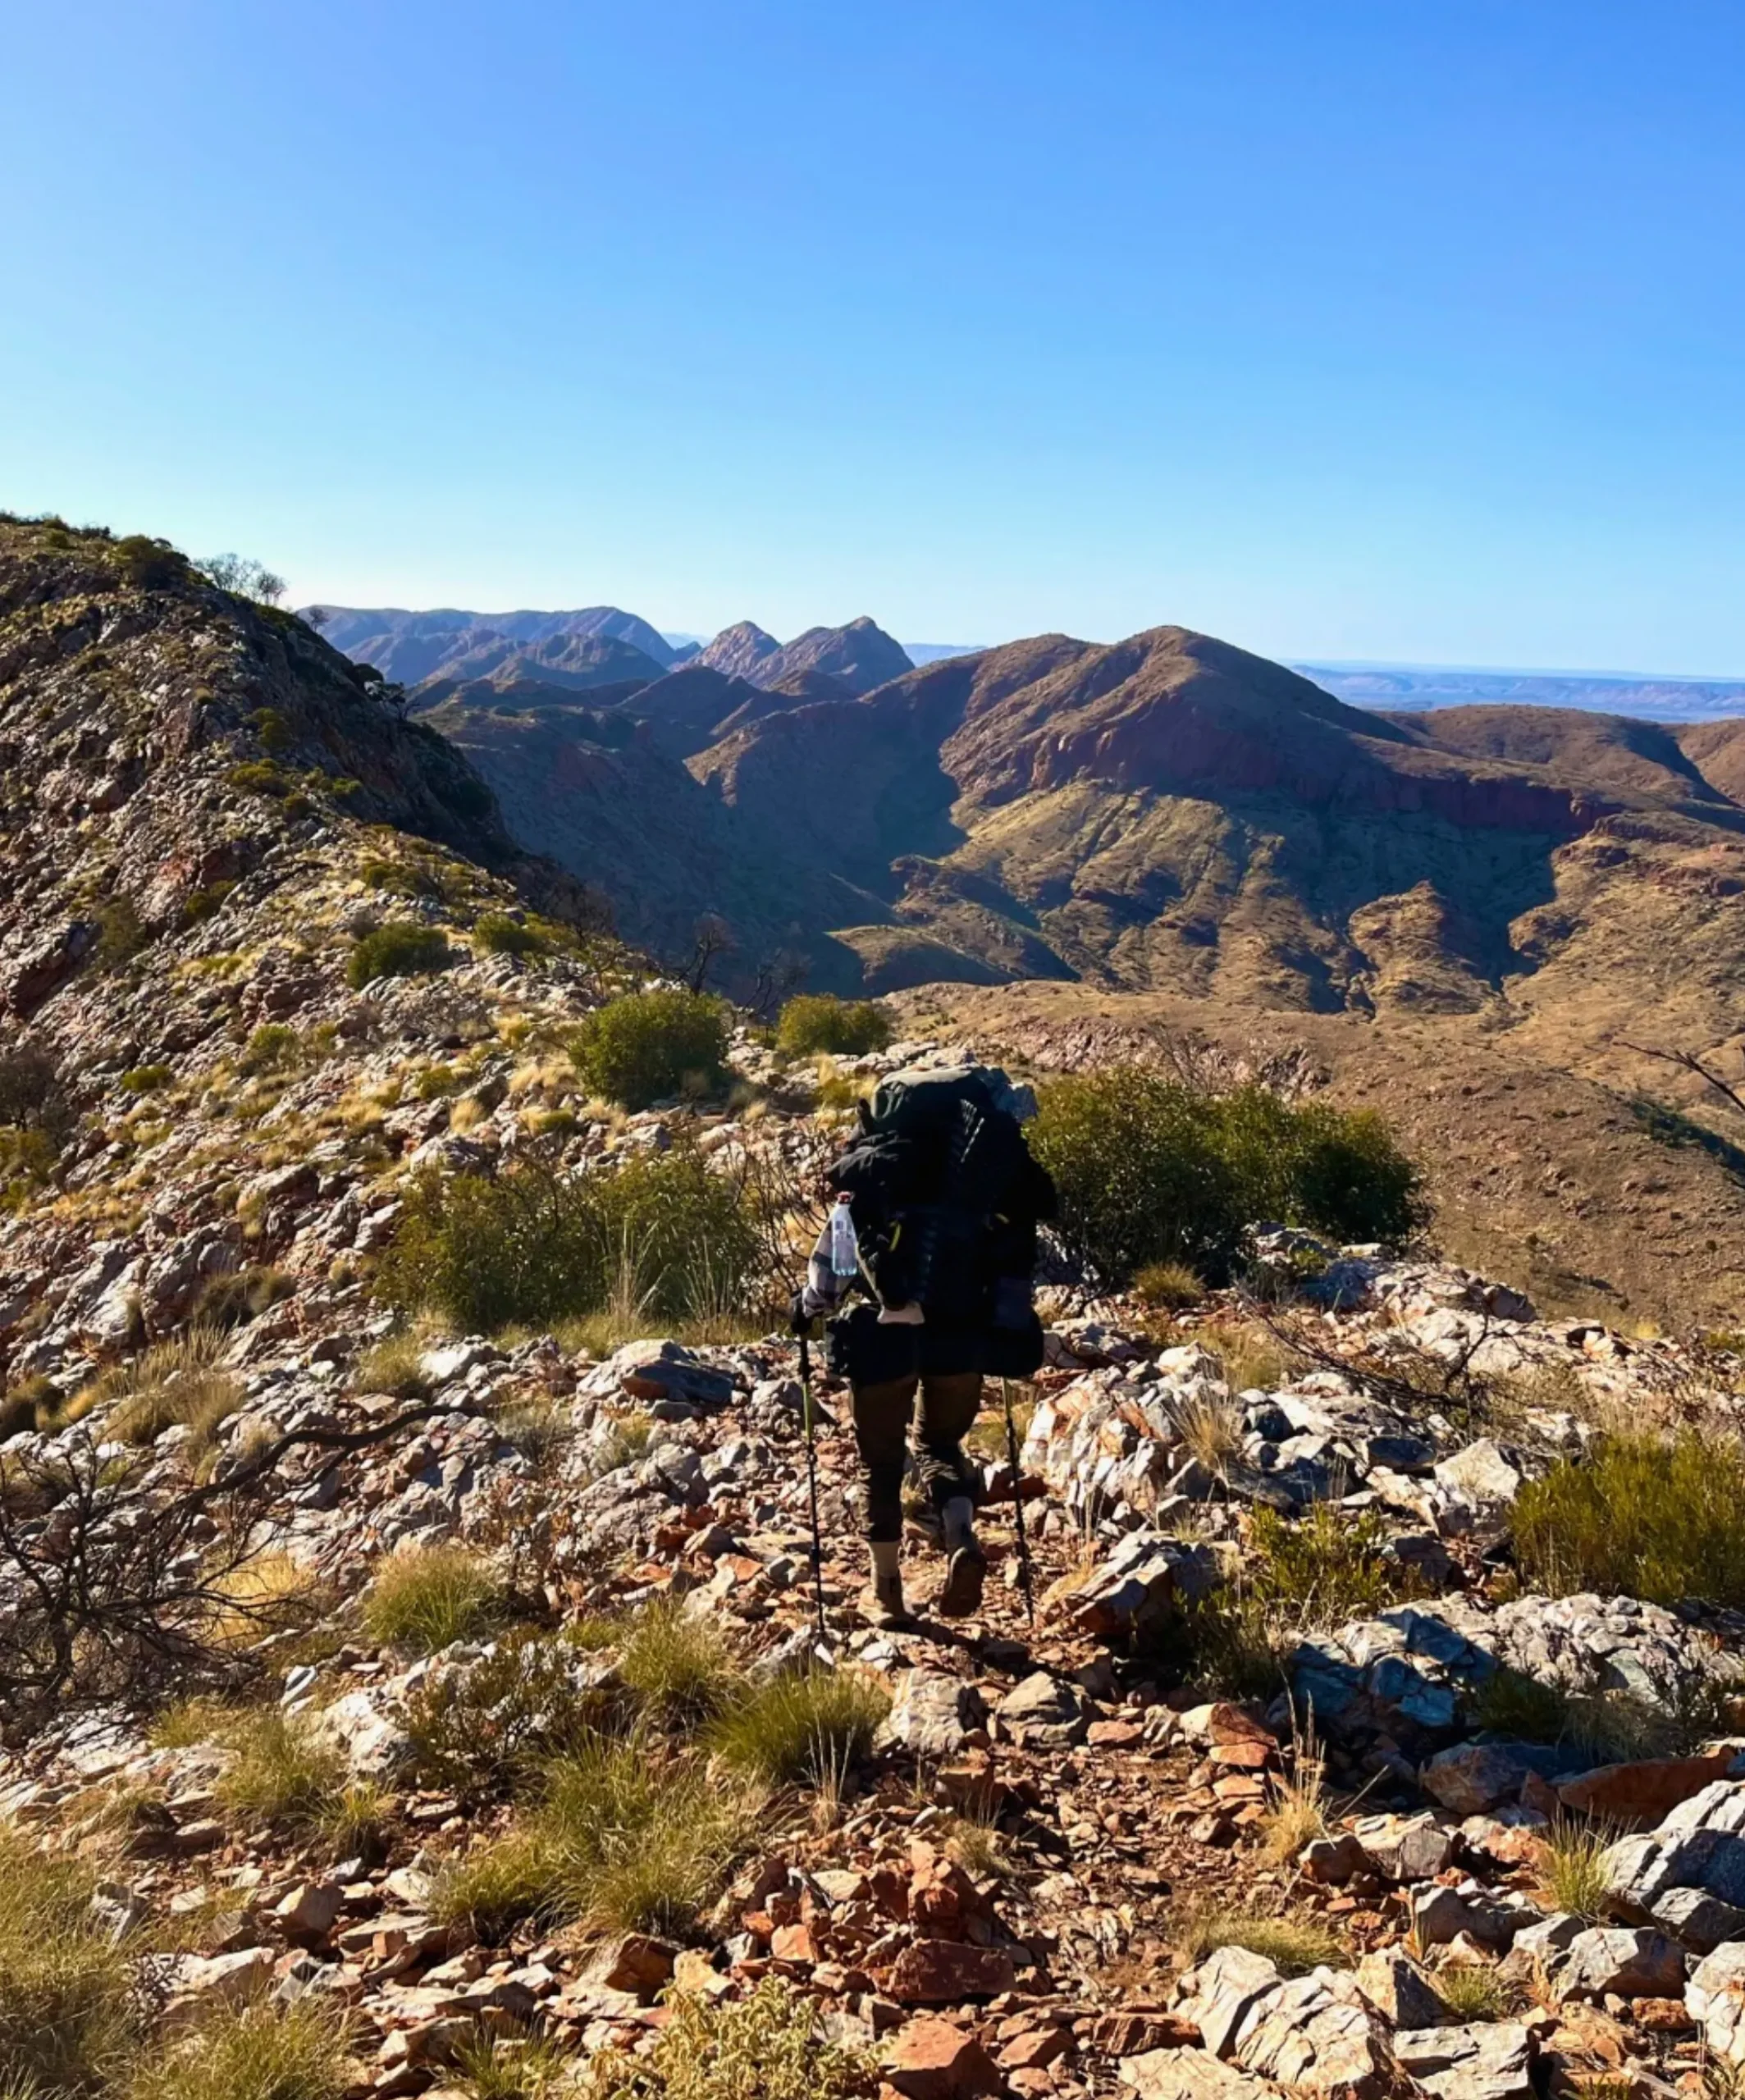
x=624, y=1836
x=66, y=2007
x=426, y=1599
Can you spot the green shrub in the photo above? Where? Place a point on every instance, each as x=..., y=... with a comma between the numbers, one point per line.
x=121, y=935
x=804, y=1730
x=400, y=949
x=427, y=1598
x=480, y=1731
x=404, y=878
x=535, y=1246
x=1293, y=1945
x=278, y=1773
x=1151, y=1172
x=174, y=1381
x=769, y=2046
x=1641, y=1519
x=146, y=1078
x=841, y=1027
x=499, y=934
x=673, y=1664
x=256, y=2050
x=1323, y=1569
x=272, y=1047
x=259, y=776
x=151, y=564
x=66, y=1991
x=647, y=1045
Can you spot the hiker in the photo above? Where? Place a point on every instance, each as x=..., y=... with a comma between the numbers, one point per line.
x=938, y=1203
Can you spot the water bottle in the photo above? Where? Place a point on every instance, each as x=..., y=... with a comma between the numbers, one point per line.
x=845, y=1249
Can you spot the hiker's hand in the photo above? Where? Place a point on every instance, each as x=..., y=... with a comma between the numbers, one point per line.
x=801, y=1321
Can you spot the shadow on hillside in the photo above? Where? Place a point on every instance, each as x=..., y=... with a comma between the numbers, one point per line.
x=1667, y=1126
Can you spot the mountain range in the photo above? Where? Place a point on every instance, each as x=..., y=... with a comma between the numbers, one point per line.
x=1471, y=917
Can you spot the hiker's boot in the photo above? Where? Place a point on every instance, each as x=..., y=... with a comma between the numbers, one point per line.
x=883, y=1605
x=967, y=1570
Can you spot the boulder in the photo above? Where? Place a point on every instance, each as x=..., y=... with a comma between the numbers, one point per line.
x=1625, y=1962
x=1399, y=1988
x=1643, y=1791
x=1474, y=1777
x=1700, y=1845
x=1404, y=1847
x=1484, y=2062
x=941, y=1971
x=1698, y=1921
x=932, y=1714
x=1137, y=1585
x=1715, y=1998
x=1221, y=1991
x=1188, y=2074
x=1318, y=2033
x=1042, y=1713
x=933, y=2060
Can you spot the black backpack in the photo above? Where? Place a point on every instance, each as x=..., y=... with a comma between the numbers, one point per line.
x=946, y=1200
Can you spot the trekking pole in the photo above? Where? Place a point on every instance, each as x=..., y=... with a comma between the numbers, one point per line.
x=1017, y=1504
x=811, y=1482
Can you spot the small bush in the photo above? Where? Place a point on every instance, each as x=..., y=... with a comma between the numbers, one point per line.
x=480, y=1730
x=404, y=878
x=499, y=934
x=535, y=1246
x=524, y=2067
x=400, y=949
x=66, y=1992
x=1323, y=1569
x=805, y=1730
x=767, y=2046
x=1168, y=1286
x=150, y=564
x=427, y=1598
x=622, y=1840
x=146, y=1078
x=395, y=1365
x=1471, y=1992
x=647, y=1045
x=1664, y=1521
x=259, y=776
x=272, y=1047
x=1150, y=1171
x=819, y=1023
x=258, y=2050
x=121, y=935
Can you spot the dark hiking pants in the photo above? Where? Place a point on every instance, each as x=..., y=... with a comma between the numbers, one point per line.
x=950, y=1401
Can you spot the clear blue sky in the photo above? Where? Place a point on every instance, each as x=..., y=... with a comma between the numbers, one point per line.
x=1409, y=329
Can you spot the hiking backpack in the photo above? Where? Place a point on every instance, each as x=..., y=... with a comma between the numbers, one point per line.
x=946, y=1200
